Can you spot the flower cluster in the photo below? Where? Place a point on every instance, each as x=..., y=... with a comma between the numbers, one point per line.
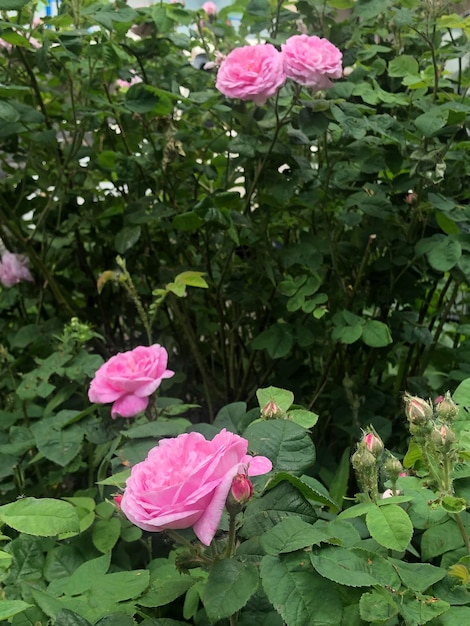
x=257, y=72
x=185, y=482
x=14, y=269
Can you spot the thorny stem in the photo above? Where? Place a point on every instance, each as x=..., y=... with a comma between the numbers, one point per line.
x=463, y=532
x=230, y=548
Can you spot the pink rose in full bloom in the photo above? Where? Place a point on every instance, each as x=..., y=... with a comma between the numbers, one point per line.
x=251, y=73
x=14, y=269
x=210, y=8
x=185, y=481
x=129, y=378
x=312, y=61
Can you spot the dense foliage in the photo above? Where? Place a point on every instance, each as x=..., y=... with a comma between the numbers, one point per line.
x=317, y=243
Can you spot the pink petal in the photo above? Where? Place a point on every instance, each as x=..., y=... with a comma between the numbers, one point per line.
x=258, y=465
x=128, y=406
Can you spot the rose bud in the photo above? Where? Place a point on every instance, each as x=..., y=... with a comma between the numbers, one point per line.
x=446, y=409
x=242, y=488
x=373, y=443
x=417, y=410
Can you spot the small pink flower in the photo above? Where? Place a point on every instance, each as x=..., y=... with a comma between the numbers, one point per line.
x=125, y=84
x=184, y=482
x=251, y=73
x=210, y=8
x=312, y=61
x=242, y=488
x=129, y=378
x=118, y=500
x=14, y=269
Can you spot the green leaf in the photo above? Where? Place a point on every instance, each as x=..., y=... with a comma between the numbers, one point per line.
x=308, y=487
x=403, y=65
x=340, y=480
x=353, y=567
x=116, y=619
x=66, y=617
x=445, y=254
x=347, y=334
x=277, y=340
x=432, y=121
x=192, y=279
x=455, y=616
x=356, y=510
x=8, y=608
x=377, y=606
x=116, y=480
x=105, y=534
x=126, y=238
x=294, y=589
x=376, y=334
x=229, y=587
x=56, y=439
x=166, y=584
x=13, y=5
x=304, y=418
x=451, y=504
x=390, y=526
x=291, y=534
x=439, y=539
x=44, y=517
x=418, y=576
x=283, y=501
x=419, y=611
x=233, y=417
x=8, y=113
x=282, y=397
x=286, y=444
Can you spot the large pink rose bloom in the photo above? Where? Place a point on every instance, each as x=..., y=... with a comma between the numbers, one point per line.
x=251, y=73
x=14, y=269
x=129, y=378
x=312, y=61
x=185, y=482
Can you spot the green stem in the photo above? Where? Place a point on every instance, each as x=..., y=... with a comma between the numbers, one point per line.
x=230, y=548
x=463, y=532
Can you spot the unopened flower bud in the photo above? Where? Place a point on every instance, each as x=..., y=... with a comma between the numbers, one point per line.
x=362, y=459
x=242, y=488
x=418, y=411
x=393, y=468
x=373, y=443
x=271, y=411
x=118, y=500
x=446, y=409
x=442, y=435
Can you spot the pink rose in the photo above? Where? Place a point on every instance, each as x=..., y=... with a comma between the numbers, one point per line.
x=129, y=378
x=185, y=482
x=251, y=73
x=311, y=61
x=210, y=8
x=14, y=269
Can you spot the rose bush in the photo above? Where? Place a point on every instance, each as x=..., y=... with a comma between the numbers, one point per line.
x=311, y=61
x=185, y=481
x=251, y=73
x=14, y=269
x=129, y=378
